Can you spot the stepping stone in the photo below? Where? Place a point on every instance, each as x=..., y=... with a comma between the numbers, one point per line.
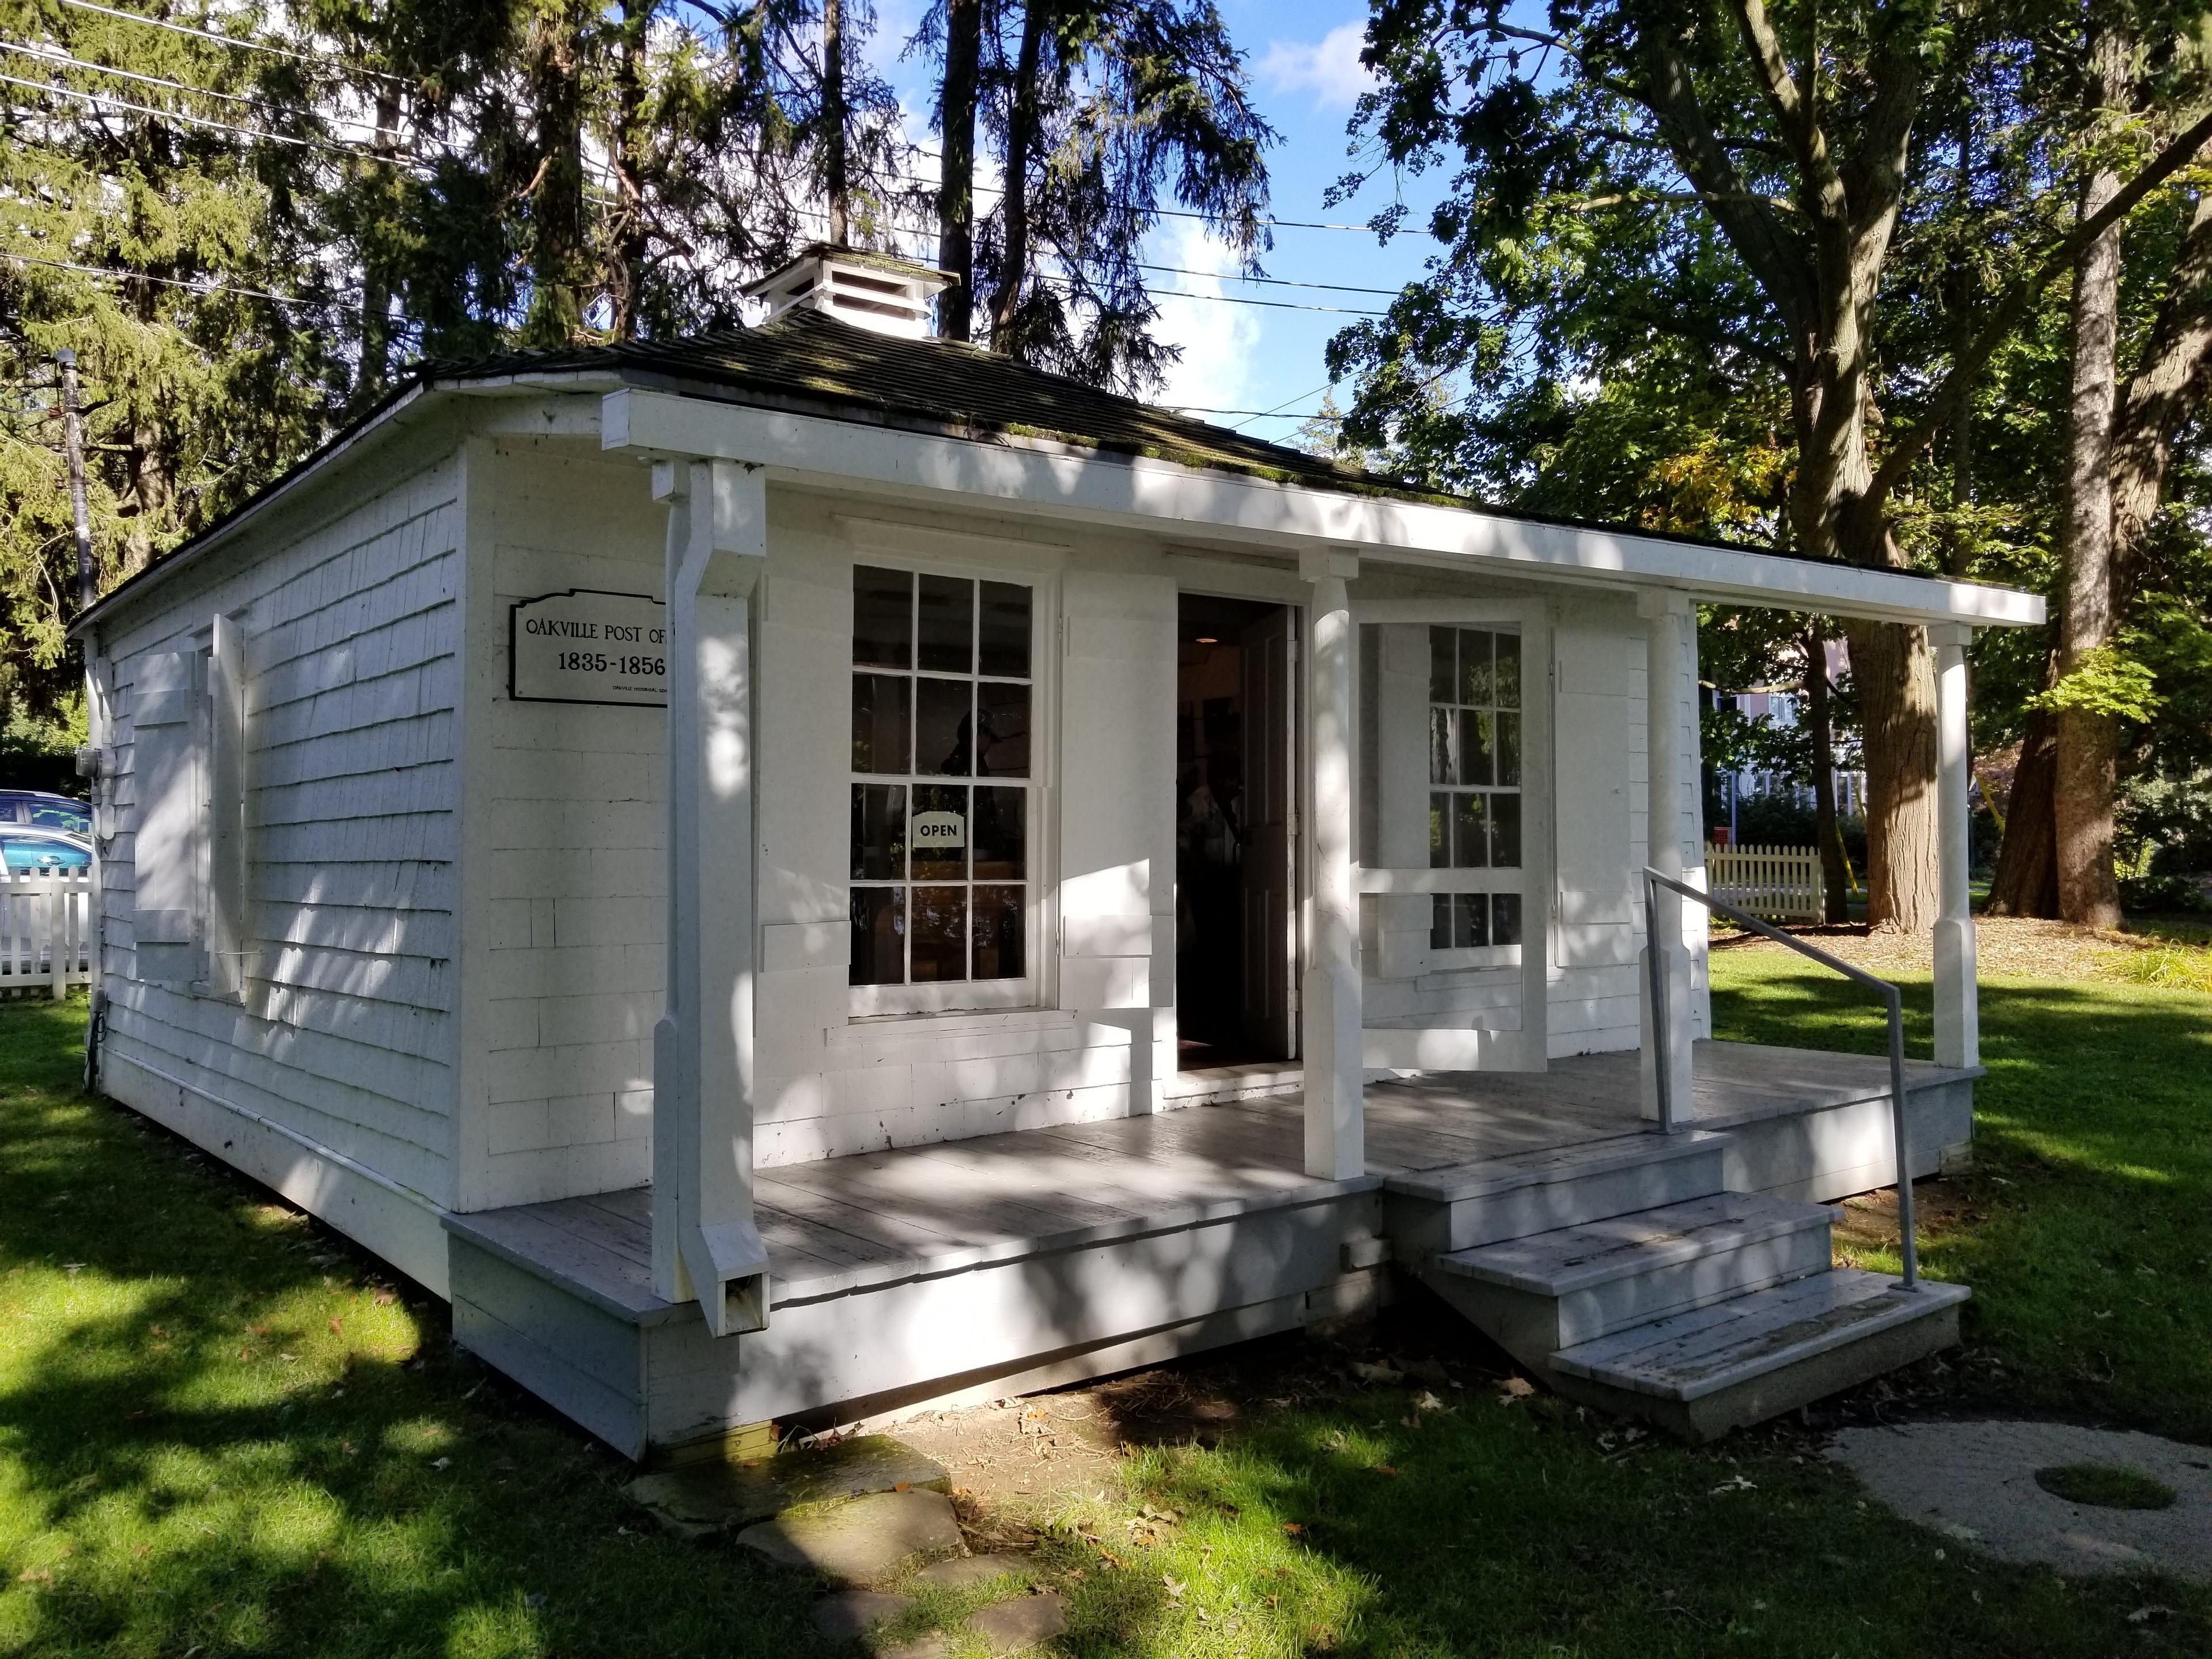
x=702, y=1500
x=862, y=1540
x=848, y=1615
x=1010, y=1627
x=963, y=1570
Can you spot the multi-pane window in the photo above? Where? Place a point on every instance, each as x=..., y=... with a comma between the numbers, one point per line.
x=941, y=699
x=1474, y=780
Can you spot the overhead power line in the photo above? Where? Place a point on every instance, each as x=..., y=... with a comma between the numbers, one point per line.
x=165, y=282
x=1273, y=281
x=239, y=42
x=62, y=60
x=105, y=102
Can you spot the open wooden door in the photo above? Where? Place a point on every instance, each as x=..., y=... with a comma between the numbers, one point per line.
x=1456, y=854
x=1270, y=831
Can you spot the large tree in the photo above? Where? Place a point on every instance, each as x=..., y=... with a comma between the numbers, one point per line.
x=1737, y=177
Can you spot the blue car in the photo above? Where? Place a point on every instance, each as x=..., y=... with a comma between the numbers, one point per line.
x=28, y=851
x=40, y=811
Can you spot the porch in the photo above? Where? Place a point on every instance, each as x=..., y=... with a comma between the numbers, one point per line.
x=1009, y=1262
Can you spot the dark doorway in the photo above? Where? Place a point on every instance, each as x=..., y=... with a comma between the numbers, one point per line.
x=1234, y=793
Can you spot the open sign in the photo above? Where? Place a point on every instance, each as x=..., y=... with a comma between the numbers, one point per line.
x=945, y=830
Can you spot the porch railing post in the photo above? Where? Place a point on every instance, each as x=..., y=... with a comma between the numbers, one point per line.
x=704, y=1241
x=1665, y=977
x=1335, y=1040
x=1958, y=1017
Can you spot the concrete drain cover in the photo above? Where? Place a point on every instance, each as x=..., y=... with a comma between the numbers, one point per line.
x=2085, y=1501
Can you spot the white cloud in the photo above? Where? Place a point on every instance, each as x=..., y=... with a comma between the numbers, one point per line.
x=1328, y=68
x=1220, y=343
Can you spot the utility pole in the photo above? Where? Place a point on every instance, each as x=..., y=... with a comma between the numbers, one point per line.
x=88, y=579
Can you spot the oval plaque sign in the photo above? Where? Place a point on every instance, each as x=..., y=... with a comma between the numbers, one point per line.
x=584, y=645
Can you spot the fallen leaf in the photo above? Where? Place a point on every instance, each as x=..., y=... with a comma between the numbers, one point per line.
x=1518, y=1388
x=1175, y=1587
x=1367, y=1373
x=338, y=1327
x=1293, y=1528
x=441, y=1462
x=1428, y=1403
x=1383, y=1468
x=2144, y=1615
x=384, y=1298
x=901, y=1485
x=1734, y=1483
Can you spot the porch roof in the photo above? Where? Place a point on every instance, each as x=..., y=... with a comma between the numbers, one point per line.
x=809, y=371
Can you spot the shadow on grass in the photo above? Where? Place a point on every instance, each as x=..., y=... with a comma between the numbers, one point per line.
x=1421, y=1521
x=2084, y=1226
x=224, y=1430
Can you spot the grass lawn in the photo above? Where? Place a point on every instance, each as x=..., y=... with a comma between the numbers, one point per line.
x=221, y=1431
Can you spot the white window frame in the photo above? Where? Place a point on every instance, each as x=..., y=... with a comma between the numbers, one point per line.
x=1530, y=619
x=893, y=547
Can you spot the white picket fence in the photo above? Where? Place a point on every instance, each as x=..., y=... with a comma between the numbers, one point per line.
x=1778, y=883
x=46, y=932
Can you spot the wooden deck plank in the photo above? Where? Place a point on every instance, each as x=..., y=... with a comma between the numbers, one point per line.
x=887, y=1211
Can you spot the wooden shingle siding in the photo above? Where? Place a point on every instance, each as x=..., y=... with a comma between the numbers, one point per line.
x=343, y=1036
x=567, y=853
x=1602, y=818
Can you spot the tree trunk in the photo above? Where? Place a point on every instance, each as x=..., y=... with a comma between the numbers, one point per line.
x=2168, y=387
x=1022, y=124
x=955, y=189
x=375, y=286
x=834, y=165
x=555, y=68
x=1835, y=868
x=1895, y=674
x=626, y=150
x=2026, y=883
x=2088, y=743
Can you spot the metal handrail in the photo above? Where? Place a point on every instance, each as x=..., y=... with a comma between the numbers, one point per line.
x=1893, y=999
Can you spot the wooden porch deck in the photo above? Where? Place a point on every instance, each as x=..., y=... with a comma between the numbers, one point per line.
x=848, y=1224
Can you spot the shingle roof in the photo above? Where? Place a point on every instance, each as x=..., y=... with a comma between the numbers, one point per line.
x=805, y=356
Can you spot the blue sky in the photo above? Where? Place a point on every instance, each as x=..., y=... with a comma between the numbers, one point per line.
x=1306, y=74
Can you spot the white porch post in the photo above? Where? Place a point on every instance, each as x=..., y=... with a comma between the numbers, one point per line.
x=1958, y=1016
x=1667, y=619
x=1335, y=1060
x=704, y=1242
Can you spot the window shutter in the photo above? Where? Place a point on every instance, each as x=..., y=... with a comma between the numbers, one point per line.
x=166, y=774
x=1117, y=819
x=225, y=914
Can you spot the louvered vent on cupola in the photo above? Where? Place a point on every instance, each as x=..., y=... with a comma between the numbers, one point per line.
x=868, y=290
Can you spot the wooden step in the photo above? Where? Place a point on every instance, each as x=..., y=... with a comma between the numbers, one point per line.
x=1552, y=1291
x=1752, y=1357
x=1433, y=1211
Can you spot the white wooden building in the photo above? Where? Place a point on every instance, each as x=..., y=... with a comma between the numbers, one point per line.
x=800, y=871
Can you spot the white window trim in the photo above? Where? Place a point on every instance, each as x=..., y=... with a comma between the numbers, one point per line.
x=1530, y=616
x=949, y=553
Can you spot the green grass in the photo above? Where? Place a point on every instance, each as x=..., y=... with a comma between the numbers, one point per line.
x=193, y=1459
x=2105, y=1486
x=218, y=1433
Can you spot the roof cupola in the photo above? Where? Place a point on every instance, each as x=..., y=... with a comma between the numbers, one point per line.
x=869, y=290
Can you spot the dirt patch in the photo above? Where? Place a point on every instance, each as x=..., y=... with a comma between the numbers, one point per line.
x=1011, y=1462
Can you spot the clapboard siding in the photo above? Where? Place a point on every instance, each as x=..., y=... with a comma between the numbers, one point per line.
x=344, y=1035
